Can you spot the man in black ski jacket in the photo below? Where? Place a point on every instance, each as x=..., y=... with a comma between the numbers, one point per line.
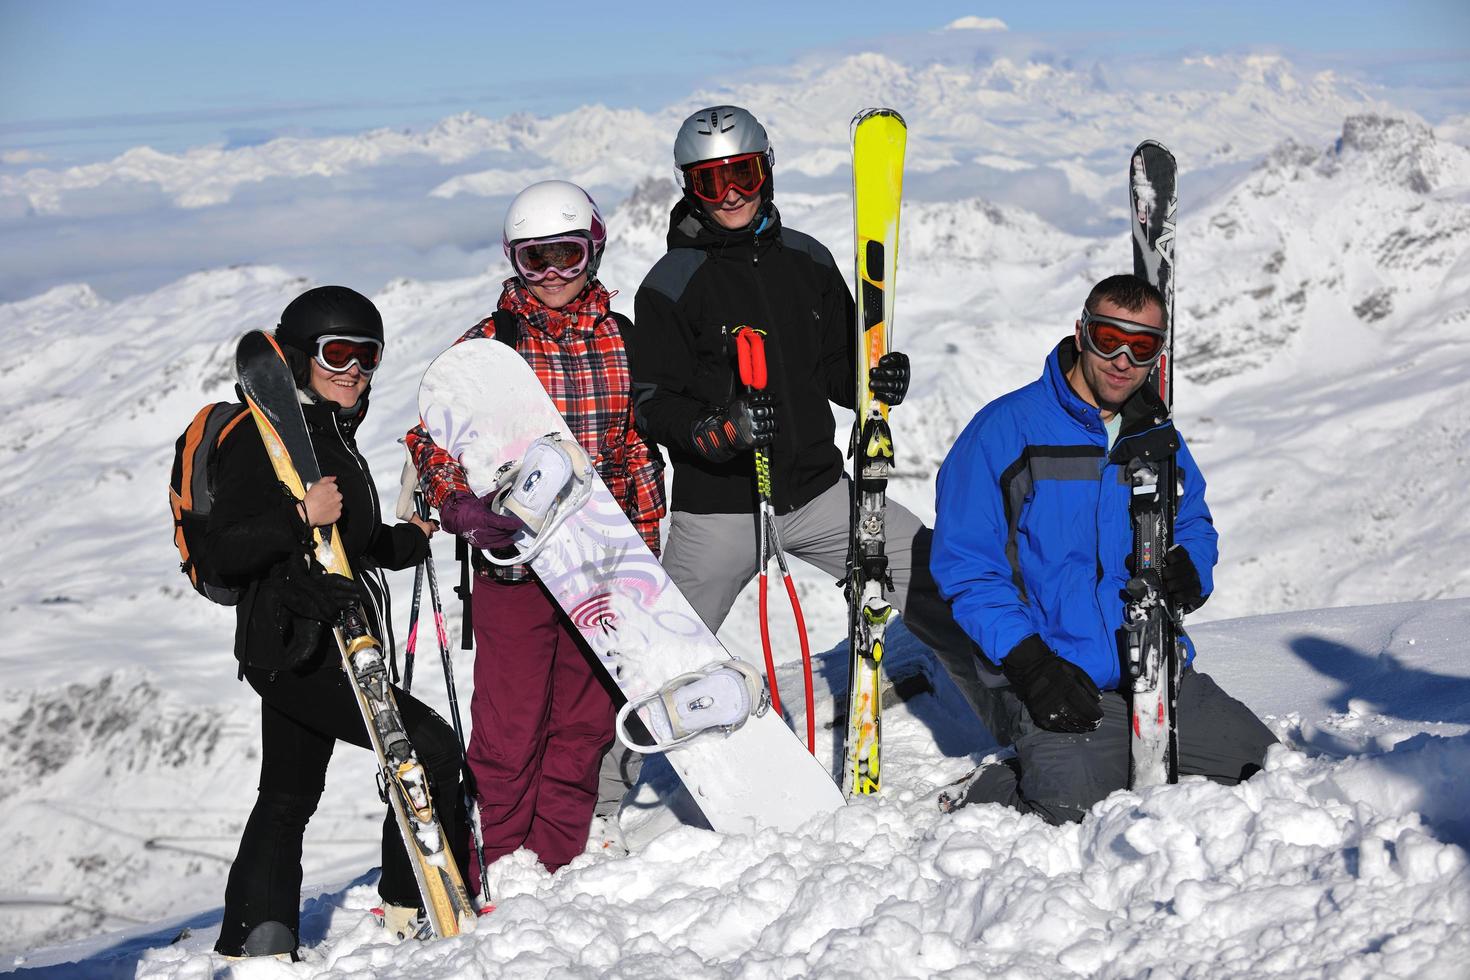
x=730, y=264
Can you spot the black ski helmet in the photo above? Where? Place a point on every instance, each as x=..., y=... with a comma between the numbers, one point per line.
x=328, y=310
x=317, y=313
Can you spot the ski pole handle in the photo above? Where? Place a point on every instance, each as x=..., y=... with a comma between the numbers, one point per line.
x=750, y=351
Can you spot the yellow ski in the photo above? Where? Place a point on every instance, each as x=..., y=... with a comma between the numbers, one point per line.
x=878, y=140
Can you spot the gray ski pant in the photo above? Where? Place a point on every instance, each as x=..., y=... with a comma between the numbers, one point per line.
x=1062, y=775
x=712, y=557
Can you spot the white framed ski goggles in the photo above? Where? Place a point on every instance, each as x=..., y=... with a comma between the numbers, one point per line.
x=537, y=258
x=337, y=353
x=1107, y=336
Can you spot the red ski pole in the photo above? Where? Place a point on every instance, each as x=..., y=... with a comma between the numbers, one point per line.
x=751, y=352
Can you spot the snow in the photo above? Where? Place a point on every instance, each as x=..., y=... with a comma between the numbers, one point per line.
x=1326, y=864
x=1324, y=258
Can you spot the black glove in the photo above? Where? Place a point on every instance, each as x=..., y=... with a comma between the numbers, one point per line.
x=888, y=380
x=1058, y=693
x=308, y=599
x=314, y=593
x=748, y=423
x=1181, y=580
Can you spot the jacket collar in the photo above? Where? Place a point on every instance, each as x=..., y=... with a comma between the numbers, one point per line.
x=1143, y=408
x=322, y=414
x=690, y=227
x=580, y=317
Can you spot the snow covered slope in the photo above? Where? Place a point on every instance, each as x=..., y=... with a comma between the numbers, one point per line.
x=1320, y=866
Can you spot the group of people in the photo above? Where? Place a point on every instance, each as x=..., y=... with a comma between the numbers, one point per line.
x=1017, y=589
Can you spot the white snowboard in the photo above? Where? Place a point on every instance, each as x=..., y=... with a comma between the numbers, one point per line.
x=482, y=402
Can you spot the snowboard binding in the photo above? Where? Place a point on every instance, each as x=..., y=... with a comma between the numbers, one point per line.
x=542, y=488
x=720, y=697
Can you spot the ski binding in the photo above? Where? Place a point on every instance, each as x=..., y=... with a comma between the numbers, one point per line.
x=720, y=697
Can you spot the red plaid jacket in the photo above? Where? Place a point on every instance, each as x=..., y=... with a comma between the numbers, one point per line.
x=578, y=354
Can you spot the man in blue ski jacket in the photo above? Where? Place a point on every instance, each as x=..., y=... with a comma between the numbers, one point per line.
x=1032, y=546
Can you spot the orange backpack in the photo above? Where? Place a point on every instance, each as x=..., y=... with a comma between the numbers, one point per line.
x=191, y=493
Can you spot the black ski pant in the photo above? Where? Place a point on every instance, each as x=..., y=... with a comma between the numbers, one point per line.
x=1060, y=776
x=302, y=717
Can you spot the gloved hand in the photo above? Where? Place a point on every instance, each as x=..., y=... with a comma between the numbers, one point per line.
x=471, y=518
x=748, y=422
x=1181, y=580
x=888, y=380
x=308, y=599
x=1058, y=693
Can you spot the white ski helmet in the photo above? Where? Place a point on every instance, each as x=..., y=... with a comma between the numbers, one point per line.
x=554, y=208
x=719, y=131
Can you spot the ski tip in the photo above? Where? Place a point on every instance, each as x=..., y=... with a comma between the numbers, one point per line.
x=879, y=111
x=1152, y=144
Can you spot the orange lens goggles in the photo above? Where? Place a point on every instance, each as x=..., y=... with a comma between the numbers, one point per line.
x=712, y=180
x=1108, y=336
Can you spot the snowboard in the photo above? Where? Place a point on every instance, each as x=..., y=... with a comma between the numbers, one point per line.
x=482, y=402
x=270, y=391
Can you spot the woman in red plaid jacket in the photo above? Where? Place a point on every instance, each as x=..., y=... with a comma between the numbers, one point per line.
x=541, y=716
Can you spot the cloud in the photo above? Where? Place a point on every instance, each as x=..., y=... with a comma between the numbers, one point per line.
x=992, y=114
x=973, y=23
x=15, y=157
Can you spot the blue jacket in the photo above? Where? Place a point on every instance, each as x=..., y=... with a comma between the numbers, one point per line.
x=1032, y=530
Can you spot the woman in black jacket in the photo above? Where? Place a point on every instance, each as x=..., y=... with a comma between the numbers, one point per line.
x=259, y=536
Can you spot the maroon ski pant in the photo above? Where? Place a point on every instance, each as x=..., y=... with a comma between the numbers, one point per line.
x=541, y=721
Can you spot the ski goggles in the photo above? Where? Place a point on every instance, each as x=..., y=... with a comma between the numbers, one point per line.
x=337, y=353
x=712, y=180
x=537, y=258
x=1107, y=336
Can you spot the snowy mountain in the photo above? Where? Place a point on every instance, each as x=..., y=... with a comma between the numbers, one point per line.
x=990, y=116
x=1324, y=294
x=1033, y=111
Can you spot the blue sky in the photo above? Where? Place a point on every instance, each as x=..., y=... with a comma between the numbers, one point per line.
x=81, y=79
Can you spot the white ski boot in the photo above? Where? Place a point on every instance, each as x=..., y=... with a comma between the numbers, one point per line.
x=542, y=488
x=721, y=697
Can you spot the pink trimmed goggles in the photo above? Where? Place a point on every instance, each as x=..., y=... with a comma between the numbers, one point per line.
x=537, y=258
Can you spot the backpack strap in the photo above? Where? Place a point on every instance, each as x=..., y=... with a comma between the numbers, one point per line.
x=464, y=591
x=507, y=327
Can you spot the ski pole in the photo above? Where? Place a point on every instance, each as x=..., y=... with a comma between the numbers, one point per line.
x=751, y=350
x=410, y=646
x=472, y=807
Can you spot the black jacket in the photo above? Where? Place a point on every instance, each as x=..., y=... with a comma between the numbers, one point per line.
x=683, y=358
x=255, y=530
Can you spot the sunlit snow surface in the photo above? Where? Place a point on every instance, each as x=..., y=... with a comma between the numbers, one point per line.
x=1322, y=865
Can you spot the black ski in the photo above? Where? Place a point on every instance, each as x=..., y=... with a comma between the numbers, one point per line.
x=1150, y=626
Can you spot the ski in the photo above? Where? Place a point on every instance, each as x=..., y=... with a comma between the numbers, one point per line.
x=878, y=140
x=270, y=391
x=1150, y=627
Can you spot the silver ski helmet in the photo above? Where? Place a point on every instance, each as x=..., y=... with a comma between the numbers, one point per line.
x=554, y=209
x=717, y=133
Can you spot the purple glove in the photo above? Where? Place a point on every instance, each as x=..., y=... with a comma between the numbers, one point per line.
x=471, y=518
